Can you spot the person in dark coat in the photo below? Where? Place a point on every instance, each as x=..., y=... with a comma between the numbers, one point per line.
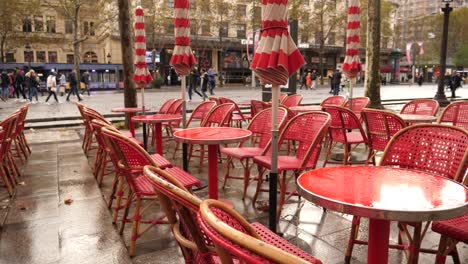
x=5, y=82
x=192, y=84
x=336, y=82
x=455, y=83
x=73, y=86
x=33, y=84
x=85, y=80
x=204, y=83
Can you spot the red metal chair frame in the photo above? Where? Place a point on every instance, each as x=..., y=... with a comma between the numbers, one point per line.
x=257, y=106
x=359, y=103
x=438, y=149
x=282, y=97
x=237, y=117
x=451, y=232
x=235, y=238
x=308, y=130
x=261, y=133
x=8, y=170
x=381, y=126
x=421, y=107
x=336, y=100
x=456, y=114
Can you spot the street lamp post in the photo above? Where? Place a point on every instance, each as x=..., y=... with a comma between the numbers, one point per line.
x=440, y=95
x=28, y=49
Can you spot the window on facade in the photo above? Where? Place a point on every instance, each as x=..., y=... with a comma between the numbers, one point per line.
x=40, y=56
x=91, y=29
x=206, y=27
x=70, y=58
x=38, y=24
x=193, y=4
x=29, y=56
x=170, y=28
x=241, y=11
x=223, y=29
x=52, y=57
x=10, y=57
x=331, y=38
x=170, y=3
x=27, y=25
x=85, y=28
x=305, y=36
x=318, y=37
x=68, y=26
x=241, y=31
x=193, y=27
x=90, y=57
x=50, y=23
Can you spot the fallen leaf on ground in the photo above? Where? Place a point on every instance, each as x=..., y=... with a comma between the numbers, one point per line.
x=68, y=201
x=21, y=183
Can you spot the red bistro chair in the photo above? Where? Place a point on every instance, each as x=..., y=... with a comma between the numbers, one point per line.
x=451, y=233
x=359, y=103
x=308, y=130
x=166, y=106
x=343, y=122
x=336, y=100
x=261, y=131
x=21, y=146
x=8, y=170
x=456, y=114
x=22, y=123
x=292, y=100
x=237, y=239
x=219, y=116
x=421, y=107
x=88, y=134
x=238, y=117
x=132, y=158
x=282, y=96
x=257, y=106
x=381, y=126
x=438, y=149
x=199, y=114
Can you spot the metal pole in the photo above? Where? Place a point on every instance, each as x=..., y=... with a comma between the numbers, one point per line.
x=184, y=122
x=253, y=83
x=273, y=194
x=440, y=95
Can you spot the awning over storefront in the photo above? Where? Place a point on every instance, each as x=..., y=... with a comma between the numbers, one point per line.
x=386, y=69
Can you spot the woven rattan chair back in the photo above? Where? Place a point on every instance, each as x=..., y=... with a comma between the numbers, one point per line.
x=257, y=106
x=337, y=100
x=292, y=100
x=234, y=236
x=282, y=97
x=201, y=111
x=165, y=106
x=421, y=107
x=175, y=107
x=433, y=148
x=456, y=114
x=261, y=125
x=381, y=126
x=359, y=103
x=237, y=110
x=8, y=130
x=342, y=121
x=219, y=115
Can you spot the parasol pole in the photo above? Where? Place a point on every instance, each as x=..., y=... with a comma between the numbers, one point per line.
x=273, y=197
x=183, y=87
x=142, y=87
x=351, y=94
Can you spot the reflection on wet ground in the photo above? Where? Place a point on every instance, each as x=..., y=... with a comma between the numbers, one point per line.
x=41, y=228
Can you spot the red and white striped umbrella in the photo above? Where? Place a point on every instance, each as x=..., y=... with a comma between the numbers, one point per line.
x=141, y=76
x=277, y=56
x=352, y=63
x=182, y=58
x=275, y=59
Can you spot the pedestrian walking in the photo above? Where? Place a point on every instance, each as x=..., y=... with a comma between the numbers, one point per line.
x=330, y=80
x=455, y=83
x=336, y=82
x=73, y=86
x=204, y=83
x=52, y=87
x=313, y=76
x=308, y=81
x=4, y=82
x=85, y=80
x=19, y=84
x=33, y=85
x=62, y=83
x=211, y=80
x=193, y=83
x=420, y=79
x=303, y=80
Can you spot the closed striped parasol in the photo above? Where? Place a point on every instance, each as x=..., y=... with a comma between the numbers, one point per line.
x=352, y=63
x=182, y=58
x=142, y=76
x=275, y=59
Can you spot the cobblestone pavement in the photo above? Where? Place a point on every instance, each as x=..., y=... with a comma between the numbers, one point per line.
x=41, y=229
x=104, y=101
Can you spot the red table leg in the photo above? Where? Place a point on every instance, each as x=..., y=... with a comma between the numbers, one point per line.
x=158, y=135
x=213, y=171
x=131, y=126
x=379, y=232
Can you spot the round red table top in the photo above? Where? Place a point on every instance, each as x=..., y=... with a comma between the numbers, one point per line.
x=417, y=118
x=128, y=110
x=385, y=193
x=212, y=135
x=305, y=108
x=157, y=118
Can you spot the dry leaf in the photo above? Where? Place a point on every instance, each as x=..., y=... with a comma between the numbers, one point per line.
x=68, y=201
x=21, y=183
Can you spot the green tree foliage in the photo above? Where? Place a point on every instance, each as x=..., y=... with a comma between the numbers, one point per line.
x=386, y=11
x=461, y=56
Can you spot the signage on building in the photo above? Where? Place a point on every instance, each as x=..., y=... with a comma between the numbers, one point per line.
x=317, y=60
x=304, y=45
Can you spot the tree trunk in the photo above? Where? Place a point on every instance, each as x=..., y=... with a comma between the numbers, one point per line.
x=76, y=43
x=372, y=77
x=126, y=40
x=321, y=63
x=2, y=48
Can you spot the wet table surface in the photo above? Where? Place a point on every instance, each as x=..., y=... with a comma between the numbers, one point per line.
x=157, y=120
x=412, y=118
x=384, y=194
x=212, y=136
